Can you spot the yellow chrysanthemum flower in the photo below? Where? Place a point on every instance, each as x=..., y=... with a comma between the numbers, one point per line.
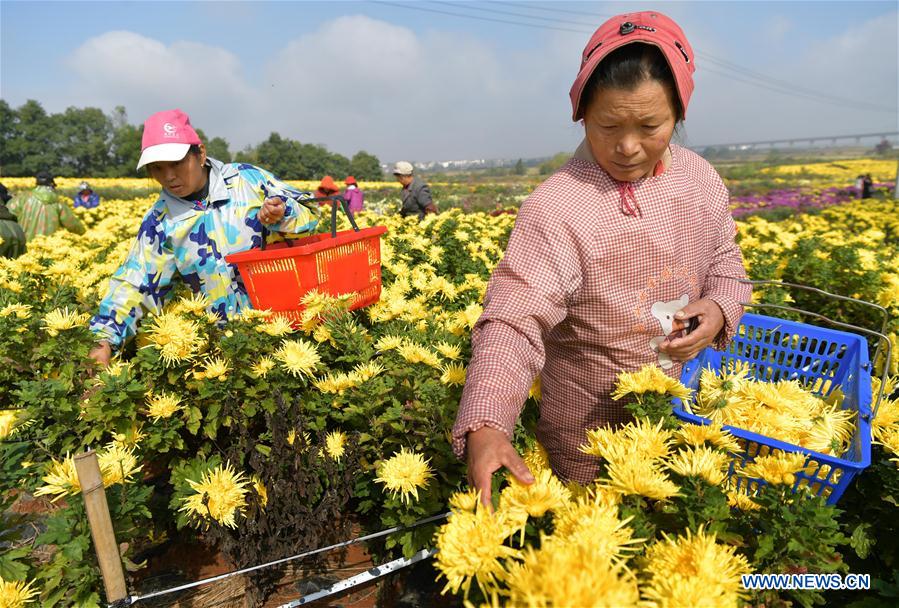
x=177, y=339
x=260, y=489
x=292, y=437
x=261, y=368
x=471, y=546
x=776, y=468
x=570, y=575
x=831, y=431
x=214, y=368
x=702, y=462
x=592, y=519
x=19, y=311
x=219, y=495
x=889, y=439
x=163, y=405
x=453, y=374
x=714, y=387
x=366, y=371
x=416, y=353
x=117, y=464
x=404, y=473
x=697, y=435
x=299, y=357
x=16, y=594
x=648, y=439
x=335, y=444
x=602, y=442
x=536, y=458
x=251, y=314
x=62, y=319
x=694, y=570
x=786, y=410
x=520, y=502
x=465, y=501
x=275, y=327
x=195, y=303
x=10, y=421
x=742, y=501
x=61, y=479
x=450, y=351
x=648, y=379
x=130, y=437
x=639, y=476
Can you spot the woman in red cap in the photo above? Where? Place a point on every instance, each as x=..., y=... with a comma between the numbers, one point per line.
x=326, y=187
x=353, y=195
x=609, y=259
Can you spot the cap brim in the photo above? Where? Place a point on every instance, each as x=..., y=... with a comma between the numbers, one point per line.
x=163, y=152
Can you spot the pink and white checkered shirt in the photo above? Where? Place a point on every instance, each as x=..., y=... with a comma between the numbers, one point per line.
x=592, y=272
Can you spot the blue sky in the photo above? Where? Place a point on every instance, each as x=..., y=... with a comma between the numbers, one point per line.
x=409, y=81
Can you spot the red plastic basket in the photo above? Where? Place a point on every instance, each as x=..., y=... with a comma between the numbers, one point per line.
x=345, y=262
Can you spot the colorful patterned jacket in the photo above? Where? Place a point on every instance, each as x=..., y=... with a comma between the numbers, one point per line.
x=190, y=239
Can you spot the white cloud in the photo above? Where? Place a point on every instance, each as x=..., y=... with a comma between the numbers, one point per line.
x=145, y=75
x=361, y=83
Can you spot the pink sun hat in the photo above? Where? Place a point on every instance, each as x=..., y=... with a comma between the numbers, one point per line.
x=167, y=137
x=651, y=27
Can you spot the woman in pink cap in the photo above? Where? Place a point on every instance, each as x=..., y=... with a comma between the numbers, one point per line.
x=609, y=259
x=207, y=210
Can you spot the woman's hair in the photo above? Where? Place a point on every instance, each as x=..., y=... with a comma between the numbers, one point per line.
x=630, y=65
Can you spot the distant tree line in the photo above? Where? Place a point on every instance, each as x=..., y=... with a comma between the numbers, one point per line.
x=86, y=142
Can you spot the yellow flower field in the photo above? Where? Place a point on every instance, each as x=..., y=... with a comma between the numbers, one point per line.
x=221, y=432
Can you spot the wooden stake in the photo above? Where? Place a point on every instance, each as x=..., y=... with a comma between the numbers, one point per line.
x=101, y=526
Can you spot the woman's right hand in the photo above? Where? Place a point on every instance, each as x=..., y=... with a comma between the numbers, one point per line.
x=101, y=353
x=488, y=451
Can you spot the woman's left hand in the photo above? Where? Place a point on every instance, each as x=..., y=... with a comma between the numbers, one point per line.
x=272, y=211
x=711, y=320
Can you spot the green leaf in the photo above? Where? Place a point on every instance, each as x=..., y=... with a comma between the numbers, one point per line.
x=861, y=541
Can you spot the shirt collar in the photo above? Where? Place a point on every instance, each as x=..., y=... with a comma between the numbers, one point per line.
x=220, y=176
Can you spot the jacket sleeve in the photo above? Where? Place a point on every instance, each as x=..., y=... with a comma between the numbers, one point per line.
x=68, y=218
x=140, y=285
x=528, y=295
x=726, y=269
x=423, y=197
x=299, y=215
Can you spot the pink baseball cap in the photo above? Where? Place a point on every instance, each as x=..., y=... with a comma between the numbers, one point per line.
x=650, y=27
x=167, y=137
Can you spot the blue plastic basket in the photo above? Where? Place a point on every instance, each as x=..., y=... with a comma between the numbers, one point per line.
x=827, y=359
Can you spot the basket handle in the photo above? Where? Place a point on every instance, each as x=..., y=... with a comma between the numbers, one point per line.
x=335, y=200
x=882, y=338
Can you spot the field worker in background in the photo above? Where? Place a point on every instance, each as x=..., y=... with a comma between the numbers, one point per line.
x=608, y=260
x=867, y=186
x=86, y=197
x=353, y=195
x=416, y=194
x=327, y=187
x=206, y=210
x=42, y=210
x=12, y=237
